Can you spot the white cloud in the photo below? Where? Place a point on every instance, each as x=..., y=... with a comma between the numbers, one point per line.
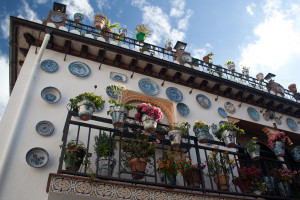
x=5, y=26
x=42, y=1
x=105, y=4
x=278, y=40
x=177, y=9
x=82, y=6
x=26, y=12
x=249, y=9
x=4, y=84
x=183, y=23
x=201, y=52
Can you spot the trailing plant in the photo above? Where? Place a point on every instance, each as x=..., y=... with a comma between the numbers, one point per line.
x=229, y=127
x=181, y=126
x=148, y=109
x=105, y=145
x=280, y=136
x=251, y=144
x=285, y=175
x=200, y=124
x=97, y=100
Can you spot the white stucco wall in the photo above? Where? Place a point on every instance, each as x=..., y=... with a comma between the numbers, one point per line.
x=21, y=181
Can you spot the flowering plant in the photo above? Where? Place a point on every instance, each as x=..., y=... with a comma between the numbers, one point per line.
x=148, y=109
x=251, y=144
x=228, y=62
x=181, y=126
x=251, y=173
x=230, y=127
x=244, y=67
x=285, y=175
x=142, y=28
x=218, y=163
x=280, y=136
x=199, y=124
x=185, y=163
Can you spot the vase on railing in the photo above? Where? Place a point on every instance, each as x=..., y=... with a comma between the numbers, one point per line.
x=106, y=166
x=167, y=179
x=149, y=123
x=279, y=148
x=202, y=134
x=296, y=153
x=175, y=138
x=85, y=109
x=229, y=138
x=118, y=115
x=78, y=17
x=255, y=153
x=284, y=189
x=269, y=180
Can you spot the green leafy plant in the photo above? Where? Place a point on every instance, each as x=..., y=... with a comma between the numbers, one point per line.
x=100, y=14
x=251, y=144
x=142, y=28
x=75, y=150
x=109, y=25
x=199, y=124
x=97, y=100
x=229, y=127
x=105, y=145
x=181, y=126
x=228, y=62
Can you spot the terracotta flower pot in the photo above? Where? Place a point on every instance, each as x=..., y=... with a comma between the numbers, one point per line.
x=206, y=60
x=138, y=166
x=99, y=22
x=192, y=178
x=244, y=185
x=106, y=34
x=293, y=88
x=260, y=77
x=223, y=182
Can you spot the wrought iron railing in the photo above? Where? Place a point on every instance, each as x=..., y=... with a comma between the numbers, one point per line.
x=78, y=130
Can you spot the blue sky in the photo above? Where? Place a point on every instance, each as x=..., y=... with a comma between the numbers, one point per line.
x=261, y=34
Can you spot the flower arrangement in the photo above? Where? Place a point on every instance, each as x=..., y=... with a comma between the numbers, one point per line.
x=280, y=136
x=210, y=55
x=185, y=163
x=199, y=124
x=230, y=127
x=228, y=62
x=168, y=164
x=218, y=163
x=284, y=175
x=181, y=126
x=142, y=28
x=252, y=173
x=148, y=109
x=251, y=144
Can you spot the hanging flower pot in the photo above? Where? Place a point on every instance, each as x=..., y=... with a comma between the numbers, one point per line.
x=175, y=138
x=231, y=66
x=149, y=123
x=138, y=166
x=74, y=155
x=228, y=132
x=293, y=88
x=202, y=133
x=279, y=148
x=99, y=21
x=118, y=115
x=284, y=189
x=229, y=137
x=224, y=179
x=260, y=77
x=85, y=109
x=296, y=153
x=78, y=17
x=106, y=166
x=168, y=45
x=192, y=177
x=255, y=154
x=140, y=37
x=277, y=143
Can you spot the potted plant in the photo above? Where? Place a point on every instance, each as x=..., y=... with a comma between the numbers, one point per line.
x=207, y=58
x=78, y=17
x=292, y=87
x=228, y=132
x=85, y=104
x=122, y=32
x=168, y=45
x=277, y=143
x=105, y=149
x=176, y=131
x=107, y=29
x=253, y=149
x=220, y=166
x=260, y=77
x=99, y=21
x=149, y=115
x=245, y=71
x=74, y=155
x=231, y=66
x=247, y=177
x=137, y=153
x=201, y=130
x=295, y=151
x=142, y=32
x=284, y=177
x=167, y=167
x=117, y=110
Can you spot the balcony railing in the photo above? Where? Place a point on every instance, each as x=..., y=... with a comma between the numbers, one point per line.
x=159, y=52
x=78, y=130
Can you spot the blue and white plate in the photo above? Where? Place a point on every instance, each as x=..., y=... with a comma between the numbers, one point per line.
x=49, y=65
x=57, y=18
x=203, y=101
x=50, y=94
x=118, y=77
x=79, y=69
x=292, y=124
x=229, y=107
x=222, y=112
x=183, y=108
x=37, y=157
x=110, y=91
x=44, y=128
x=253, y=113
x=148, y=86
x=174, y=94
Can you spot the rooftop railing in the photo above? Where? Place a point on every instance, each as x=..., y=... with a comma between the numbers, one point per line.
x=209, y=182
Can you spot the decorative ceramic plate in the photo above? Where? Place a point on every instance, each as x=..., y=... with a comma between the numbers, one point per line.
x=229, y=107
x=148, y=86
x=266, y=117
x=79, y=69
x=57, y=18
x=292, y=124
x=174, y=94
x=37, y=157
x=112, y=91
x=50, y=94
x=203, y=101
x=49, y=65
x=253, y=113
x=44, y=128
x=222, y=112
x=214, y=128
x=118, y=77
x=183, y=108
x=278, y=120
x=99, y=109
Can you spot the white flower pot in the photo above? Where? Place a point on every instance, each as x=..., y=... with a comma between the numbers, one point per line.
x=85, y=109
x=175, y=138
x=149, y=123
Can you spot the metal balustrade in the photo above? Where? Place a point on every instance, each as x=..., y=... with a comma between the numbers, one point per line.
x=78, y=130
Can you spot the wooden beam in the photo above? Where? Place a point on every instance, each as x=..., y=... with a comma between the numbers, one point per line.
x=288, y=110
x=84, y=51
x=279, y=107
x=227, y=92
x=203, y=85
x=29, y=38
x=51, y=42
x=117, y=60
x=190, y=81
x=162, y=73
x=260, y=101
x=100, y=57
x=297, y=112
x=67, y=46
x=239, y=95
x=216, y=88
x=177, y=77
x=249, y=97
x=24, y=51
x=270, y=104
x=132, y=64
x=148, y=69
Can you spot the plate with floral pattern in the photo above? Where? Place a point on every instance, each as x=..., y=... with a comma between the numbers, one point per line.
x=49, y=65
x=229, y=107
x=79, y=69
x=112, y=91
x=37, y=157
x=148, y=86
x=183, y=108
x=174, y=94
x=253, y=113
x=203, y=101
x=50, y=94
x=292, y=124
x=222, y=112
x=44, y=128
